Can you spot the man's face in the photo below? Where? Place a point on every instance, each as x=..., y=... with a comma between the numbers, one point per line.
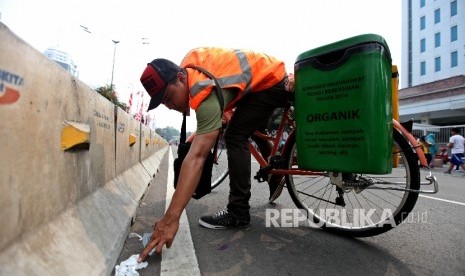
x=176, y=96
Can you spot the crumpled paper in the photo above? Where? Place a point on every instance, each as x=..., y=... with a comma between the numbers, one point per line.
x=129, y=267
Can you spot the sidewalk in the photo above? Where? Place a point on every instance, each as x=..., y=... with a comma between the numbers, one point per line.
x=440, y=171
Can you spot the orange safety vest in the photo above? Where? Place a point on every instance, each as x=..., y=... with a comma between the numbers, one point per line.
x=233, y=68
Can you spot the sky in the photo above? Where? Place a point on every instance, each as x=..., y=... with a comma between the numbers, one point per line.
x=283, y=29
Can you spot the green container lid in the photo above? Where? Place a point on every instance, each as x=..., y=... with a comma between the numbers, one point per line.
x=345, y=44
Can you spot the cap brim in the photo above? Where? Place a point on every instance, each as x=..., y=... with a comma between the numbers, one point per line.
x=155, y=101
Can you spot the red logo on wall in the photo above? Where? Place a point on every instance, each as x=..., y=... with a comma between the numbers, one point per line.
x=9, y=83
x=8, y=96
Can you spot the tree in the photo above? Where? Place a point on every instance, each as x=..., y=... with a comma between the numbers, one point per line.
x=108, y=92
x=168, y=133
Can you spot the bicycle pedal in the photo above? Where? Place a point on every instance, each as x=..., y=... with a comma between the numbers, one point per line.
x=259, y=178
x=262, y=174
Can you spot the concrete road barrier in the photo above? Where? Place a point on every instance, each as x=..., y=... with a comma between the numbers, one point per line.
x=70, y=180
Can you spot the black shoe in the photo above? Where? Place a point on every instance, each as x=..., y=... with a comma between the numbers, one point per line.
x=223, y=219
x=276, y=184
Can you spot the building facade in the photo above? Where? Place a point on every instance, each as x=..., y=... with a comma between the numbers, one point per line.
x=63, y=59
x=433, y=40
x=433, y=61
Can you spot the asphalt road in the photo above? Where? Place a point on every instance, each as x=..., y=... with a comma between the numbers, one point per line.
x=430, y=242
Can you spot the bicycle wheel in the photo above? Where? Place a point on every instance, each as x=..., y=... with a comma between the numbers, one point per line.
x=220, y=165
x=363, y=204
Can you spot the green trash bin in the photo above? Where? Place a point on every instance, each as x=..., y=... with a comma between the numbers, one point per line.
x=343, y=106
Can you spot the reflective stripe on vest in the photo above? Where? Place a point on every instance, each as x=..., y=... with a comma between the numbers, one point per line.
x=244, y=77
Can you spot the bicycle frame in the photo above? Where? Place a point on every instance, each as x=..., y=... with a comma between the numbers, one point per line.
x=287, y=119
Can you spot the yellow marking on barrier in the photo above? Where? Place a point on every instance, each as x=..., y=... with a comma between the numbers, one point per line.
x=132, y=139
x=75, y=136
x=147, y=141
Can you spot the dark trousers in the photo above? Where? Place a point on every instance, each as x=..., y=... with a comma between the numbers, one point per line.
x=252, y=113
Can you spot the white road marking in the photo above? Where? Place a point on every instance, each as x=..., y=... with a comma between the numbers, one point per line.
x=444, y=200
x=180, y=259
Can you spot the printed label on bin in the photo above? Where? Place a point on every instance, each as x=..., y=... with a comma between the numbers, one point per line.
x=335, y=142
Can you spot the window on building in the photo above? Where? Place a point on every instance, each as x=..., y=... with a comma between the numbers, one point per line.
x=454, y=59
x=422, y=45
x=422, y=23
x=423, y=68
x=453, y=33
x=437, y=64
x=437, y=16
x=437, y=40
x=453, y=8
x=422, y=3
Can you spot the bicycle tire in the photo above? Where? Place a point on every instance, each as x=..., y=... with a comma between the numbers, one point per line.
x=304, y=189
x=220, y=165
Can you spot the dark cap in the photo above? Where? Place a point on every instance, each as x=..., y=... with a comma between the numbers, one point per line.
x=156, y=77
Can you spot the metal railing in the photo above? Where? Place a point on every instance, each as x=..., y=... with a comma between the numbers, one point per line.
x=442, y=133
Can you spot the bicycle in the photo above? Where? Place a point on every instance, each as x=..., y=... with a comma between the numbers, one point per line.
x=320, y=195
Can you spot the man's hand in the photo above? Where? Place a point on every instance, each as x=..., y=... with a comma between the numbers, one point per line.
x=164, y=232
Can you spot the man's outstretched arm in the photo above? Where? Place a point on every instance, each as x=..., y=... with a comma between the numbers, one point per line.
x=166, y=227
